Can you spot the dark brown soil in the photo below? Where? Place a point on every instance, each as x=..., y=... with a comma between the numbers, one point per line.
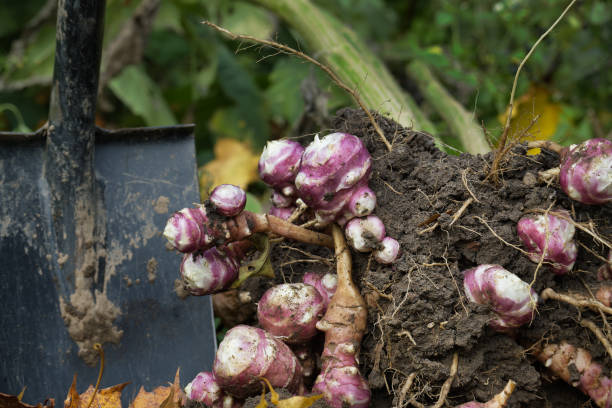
x=418, y=314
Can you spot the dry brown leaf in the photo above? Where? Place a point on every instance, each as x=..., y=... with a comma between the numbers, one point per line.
x=14, y=401
x=169, y=396
x=234, y=163
x=105, y=398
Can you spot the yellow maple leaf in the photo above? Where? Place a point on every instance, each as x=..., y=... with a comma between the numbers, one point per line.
x=105, y=398
x=234, y=163
x=168, y=395
x=535, y=103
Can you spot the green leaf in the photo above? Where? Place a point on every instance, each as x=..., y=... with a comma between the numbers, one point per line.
x=239, y=85
x=252, y=204
x=142, y=96
x=283, y=95
x=247, y=19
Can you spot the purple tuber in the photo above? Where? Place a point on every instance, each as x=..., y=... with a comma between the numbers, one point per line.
x=605, y=271
x=325, y=284
x=247, y=354
x=228, y=199
x=510, y=298
x=574, y=365
x=586, y=171
x=279, y=164
x=387, y=251
x=365, y=234
x=344, y=325
x=333, y=169
x=213, y=270
x=290, y=311
x=205, y=389
x=283, y=213
x=186, y=231
x=560, y=248
x=280, y=200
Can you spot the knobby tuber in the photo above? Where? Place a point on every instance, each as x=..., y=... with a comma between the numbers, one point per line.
x=213, y=270
x=586, y=171
x=512, y=300
x=344, y=325
x=248, y=354
x=365, y=234
x=551, y=238
x=387, y=251
x=204, y=388
x=325, y=284
x=290, y=311
x=228, y=200
x=574, y=365
x=333, y=170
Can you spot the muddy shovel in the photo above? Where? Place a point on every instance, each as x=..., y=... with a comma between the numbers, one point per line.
x=82, y=260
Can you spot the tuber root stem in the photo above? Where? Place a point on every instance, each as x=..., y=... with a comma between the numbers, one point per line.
x=344, y=325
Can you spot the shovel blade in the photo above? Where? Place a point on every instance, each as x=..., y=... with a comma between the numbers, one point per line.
x=142, y=176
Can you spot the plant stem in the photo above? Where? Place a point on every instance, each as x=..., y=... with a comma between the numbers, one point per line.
x=340, y=49
x=269, y=223
x=459, y=120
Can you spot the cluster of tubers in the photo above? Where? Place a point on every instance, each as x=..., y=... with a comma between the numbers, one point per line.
x=331, y=177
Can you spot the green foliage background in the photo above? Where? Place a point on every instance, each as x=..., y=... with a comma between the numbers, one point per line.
x=191, y=74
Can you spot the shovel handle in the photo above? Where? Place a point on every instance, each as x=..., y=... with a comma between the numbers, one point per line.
x=68, y=159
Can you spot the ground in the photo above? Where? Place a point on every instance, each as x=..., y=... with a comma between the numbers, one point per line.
x=418, y=313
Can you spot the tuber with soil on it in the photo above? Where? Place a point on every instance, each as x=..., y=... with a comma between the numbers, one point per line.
x=290, y=311
x=204, y=388
x=574, y=365
x=228, y=200
x=388, y=251
x=213, y=270
x=344, y=325
x=248, y=354
x=585, y=173
x=365, y=234
x=332, y=174
x=279, y=164
x=550, y=238
x=325, y=284
x=498, y=401
x=512, y=300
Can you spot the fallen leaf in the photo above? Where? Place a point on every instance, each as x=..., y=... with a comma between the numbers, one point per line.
x=14, y=401
x=536, y=102
x=163, y=396
x=292, y=402
x=105, y=398
x=234, y=163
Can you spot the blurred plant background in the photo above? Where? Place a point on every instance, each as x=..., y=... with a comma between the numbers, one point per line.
x=161, y=66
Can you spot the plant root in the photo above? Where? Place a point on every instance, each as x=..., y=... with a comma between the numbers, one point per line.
x=595, y=305
x=597, y=332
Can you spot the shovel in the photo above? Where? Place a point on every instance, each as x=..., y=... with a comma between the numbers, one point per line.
x=82, y=260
